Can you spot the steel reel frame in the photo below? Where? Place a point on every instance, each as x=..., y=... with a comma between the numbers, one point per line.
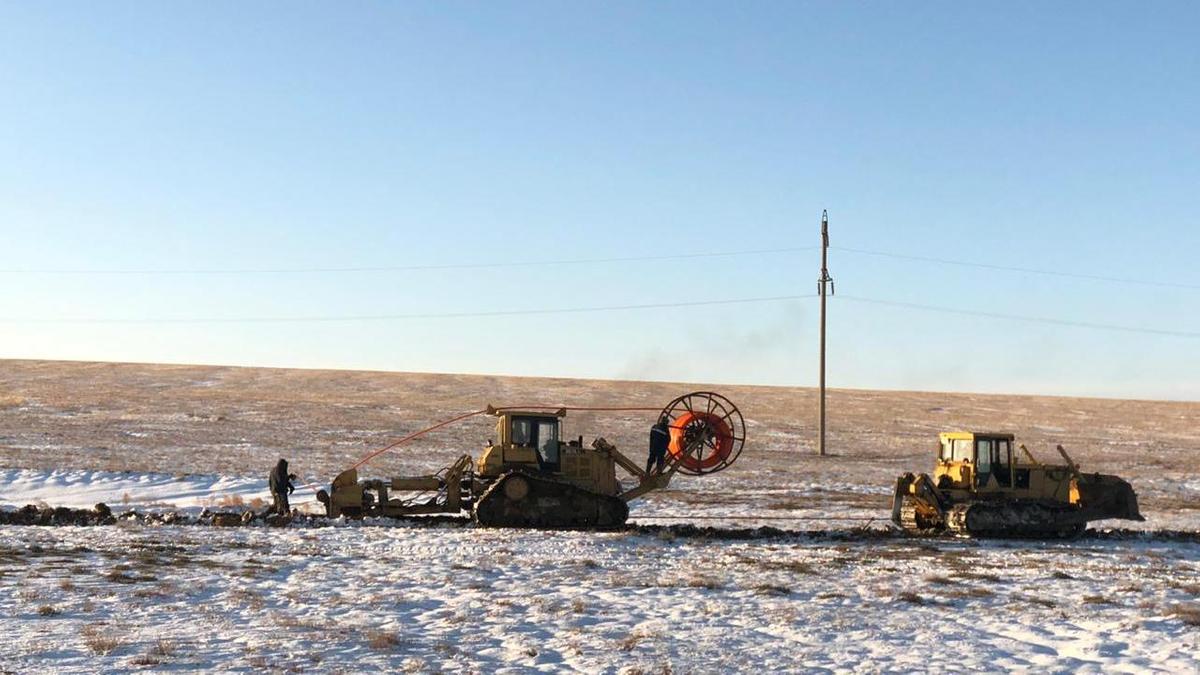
x=700, y=422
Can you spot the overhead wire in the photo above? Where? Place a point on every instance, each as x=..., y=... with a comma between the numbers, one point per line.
x=409, y=268
x=401, y=317
x=609, y=308
x=599, y=308
x=597, y=260
x=1019, y=317
x=1022, y=270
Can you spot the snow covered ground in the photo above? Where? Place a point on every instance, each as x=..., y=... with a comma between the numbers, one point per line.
x=143, y=491
x=351, y=597
x=355, y=596
x=455, y=599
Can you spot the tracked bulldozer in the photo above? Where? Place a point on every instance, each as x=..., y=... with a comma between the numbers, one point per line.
x=530, y=477
x=979, y=488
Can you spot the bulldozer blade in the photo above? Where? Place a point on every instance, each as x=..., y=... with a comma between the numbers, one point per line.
x=1105, y=496
x=898, y=495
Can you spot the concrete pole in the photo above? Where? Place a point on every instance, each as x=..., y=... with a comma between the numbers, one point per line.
x=825, y=287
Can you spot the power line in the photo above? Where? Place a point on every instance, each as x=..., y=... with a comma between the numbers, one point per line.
x=1018, y=317
x=591, y=261
x=598, y=308
x=1023, y=270
x=411, y=268
x=403, y=317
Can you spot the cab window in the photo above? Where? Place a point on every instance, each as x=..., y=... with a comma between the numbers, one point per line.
x=983, y=456
x=547, y=434
x=1002, y=456
x=961, y=450
x=522, y=432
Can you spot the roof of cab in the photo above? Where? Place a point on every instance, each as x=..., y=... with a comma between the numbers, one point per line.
x=970, y=435
x=496, y=412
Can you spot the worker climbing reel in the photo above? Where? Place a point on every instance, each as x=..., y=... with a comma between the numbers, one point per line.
x=707, y=432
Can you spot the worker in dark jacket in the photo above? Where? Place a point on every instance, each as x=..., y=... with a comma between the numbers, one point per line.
x=660, y=440
x=281, y=486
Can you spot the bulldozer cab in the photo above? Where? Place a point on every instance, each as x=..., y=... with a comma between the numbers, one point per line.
x=528, y=439
x=974, y=461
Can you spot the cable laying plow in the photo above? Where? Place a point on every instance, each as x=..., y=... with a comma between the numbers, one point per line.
x=980, y=489
x=532, y=478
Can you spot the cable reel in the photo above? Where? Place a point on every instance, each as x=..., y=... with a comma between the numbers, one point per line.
x=707, y=432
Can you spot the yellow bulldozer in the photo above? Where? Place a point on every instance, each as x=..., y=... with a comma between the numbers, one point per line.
x=530, y=477
x=980, y=488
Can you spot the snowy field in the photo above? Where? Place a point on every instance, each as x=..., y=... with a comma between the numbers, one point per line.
x=453, y=599
x=397, y=596
x=838, y=594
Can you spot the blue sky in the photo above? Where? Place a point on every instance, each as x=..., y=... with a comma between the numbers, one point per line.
x=186, y=136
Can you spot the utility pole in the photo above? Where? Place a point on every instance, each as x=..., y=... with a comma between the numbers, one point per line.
x=824, y=283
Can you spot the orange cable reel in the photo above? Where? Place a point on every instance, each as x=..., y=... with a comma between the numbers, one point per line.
x=707, y=432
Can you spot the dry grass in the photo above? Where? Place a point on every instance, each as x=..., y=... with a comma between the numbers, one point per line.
x=1192, y=589
x=100, y=640
x=163, y=647
x=1098, y=600
x=382, y=640
x=229, y=501
x=635, y=638
x=1036, y=600
x=48, y=610
x=968, y=592
x=160, y=651
x=157, y=593
x=793, y=566
x=1189, y=614
x=910, y=597
x=120, y=575
x=703, y=581
x=11, y=401
x=247, y=597
x=772, y=589
x=980, y=576
x=292, y=622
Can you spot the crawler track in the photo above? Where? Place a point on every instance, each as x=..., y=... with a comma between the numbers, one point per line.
x=1015, y=520
x=523, y=499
